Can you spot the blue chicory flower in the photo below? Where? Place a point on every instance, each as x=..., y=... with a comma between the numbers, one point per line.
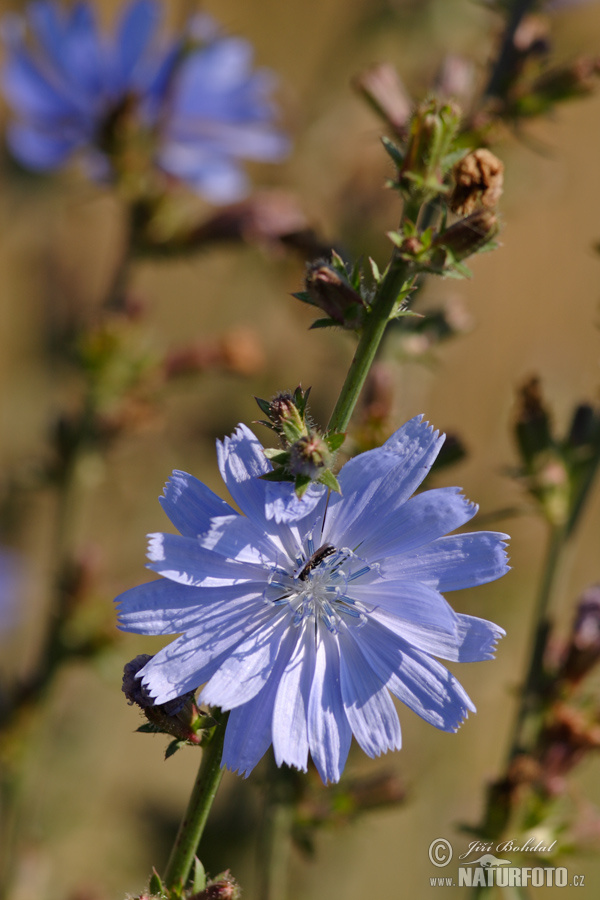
x=198, y=98
x=302, y=617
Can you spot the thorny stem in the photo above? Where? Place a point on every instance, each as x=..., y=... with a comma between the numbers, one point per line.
x=192, y=825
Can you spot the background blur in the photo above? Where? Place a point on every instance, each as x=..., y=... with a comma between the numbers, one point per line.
x=103, y=804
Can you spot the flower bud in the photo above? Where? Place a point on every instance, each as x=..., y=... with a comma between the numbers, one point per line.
x=432, y=130
x=532, y=426
x=309, y=455
x=478, y=178
x=468, y=236
x=180, y=717
x=331, y=292
x=583, y=651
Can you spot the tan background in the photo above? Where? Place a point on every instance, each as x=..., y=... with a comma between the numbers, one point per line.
x=100, y=794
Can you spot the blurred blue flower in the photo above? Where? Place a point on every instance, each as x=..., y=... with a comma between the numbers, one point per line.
x=301, y=617
x=198, y=99
x=11, y=583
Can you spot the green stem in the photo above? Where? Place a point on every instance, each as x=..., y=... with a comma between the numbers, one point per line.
x=275, y=839
x=368, y=344
x=192, y=825
x=533, y=684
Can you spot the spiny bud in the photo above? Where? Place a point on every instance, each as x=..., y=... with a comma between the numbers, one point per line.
x=478, y=178
x=309, y=455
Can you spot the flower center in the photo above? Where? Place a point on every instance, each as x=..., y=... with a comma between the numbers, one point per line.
x=317, y=586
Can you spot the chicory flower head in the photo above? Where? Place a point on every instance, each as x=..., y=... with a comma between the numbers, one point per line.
x=302, y=617
x=201, y=105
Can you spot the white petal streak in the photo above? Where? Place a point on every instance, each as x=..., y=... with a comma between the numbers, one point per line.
x=453, y=562
x=369, y=707
x=329, y=732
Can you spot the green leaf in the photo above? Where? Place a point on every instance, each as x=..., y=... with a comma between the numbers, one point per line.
x=301, y=485
x=393, y=152
x=330, y=481
x=396, y=237
x=149, y=728
x=452, y=158
x=335, y=440
x=156, y=886
x=173, y=747
x=324, y=323
x=281, y=457
x=265, y=407
x=375, y=270
x=305, y=297
x=275, y=475
x=199, y=879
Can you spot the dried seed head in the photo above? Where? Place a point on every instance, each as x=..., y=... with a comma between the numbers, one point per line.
x=478, y=179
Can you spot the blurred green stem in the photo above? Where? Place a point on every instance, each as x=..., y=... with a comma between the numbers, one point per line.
x=276, y=833
x=192, y=825
x=534, y=680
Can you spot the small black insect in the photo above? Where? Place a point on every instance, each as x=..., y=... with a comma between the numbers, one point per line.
x=317, y=557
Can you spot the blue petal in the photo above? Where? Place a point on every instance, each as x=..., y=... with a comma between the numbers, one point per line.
x=477, y=641
x=329, y=732
x=290, y=728
x=136, y=30
x=420, y=520
x=31, y=93
x=368, y=705
x=247, y=668
x=182, y=559
x=453, y=562
x=411, y=602
x=194, y=657
x=190, y=505
x=166, y=607
x=372, y=481
x=241, y=462
x=237, y=537
x=249, y=729
x=37, y=149
x=420, y=682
